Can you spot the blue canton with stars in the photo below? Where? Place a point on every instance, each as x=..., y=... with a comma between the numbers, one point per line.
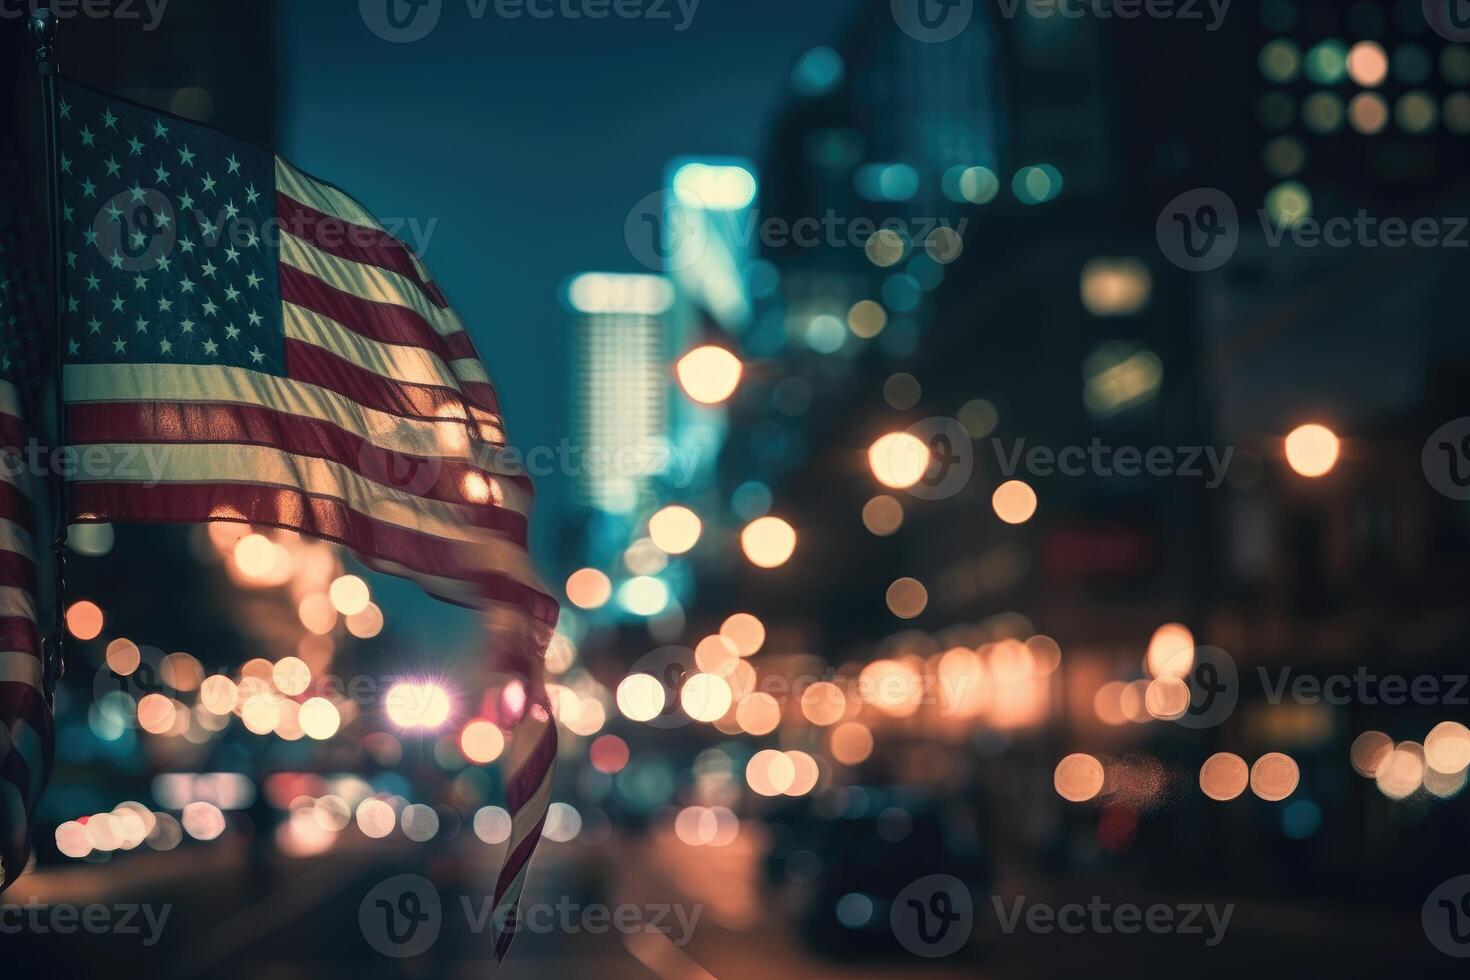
x=171, y=240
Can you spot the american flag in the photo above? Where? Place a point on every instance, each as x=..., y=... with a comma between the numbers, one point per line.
x=26, y=725
x=302, y=371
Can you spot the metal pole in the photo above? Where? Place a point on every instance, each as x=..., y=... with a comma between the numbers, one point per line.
x=43, y=30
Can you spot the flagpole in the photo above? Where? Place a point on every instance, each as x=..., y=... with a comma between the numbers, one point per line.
x=43, y=30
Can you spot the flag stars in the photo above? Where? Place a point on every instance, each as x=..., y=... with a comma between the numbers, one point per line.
x=186, y=325
x=140, y=281
x=89, y=138
x=211, y=348
x=159, y=130
x=135, y=146
x=233, y=163
x=65, y=164
x=165, y=263
x=137, y=239
x=119, y=346
x=165, y=346
x=232, y=331
x=186, y=245
x=94, y=325
x=165, y=305
x=231, y=254
x=208, y=183
x=65, y=109
x=109, y=121
x=230, y=210
x=67, y=213
x=186, y=201
x=71, y=304
x=257, y=355
x=186, y=285
x=254, y=318
x=113, y=167
x=135, y=193
x=71, y=260
x=208, y=268
x=93, y=283
x=89, y=189
x=116, y=259
x=231, y=293
x=114, y=213
x=210, y=307
x=90, y=237
x=251, y=194
x=117, y=302
x=140, y=325
x=253, y=279
x=72, y=347
x=160, y=174
x=186, y=156
x=252, y=239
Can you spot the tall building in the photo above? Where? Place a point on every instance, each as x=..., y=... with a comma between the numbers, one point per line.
x=619, y=417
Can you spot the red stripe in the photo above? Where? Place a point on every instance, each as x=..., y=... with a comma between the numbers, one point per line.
x=20, y=634
x=318, y=366
x=189, y=423
x=321, y=516
x=386, y=323
x=353, y=242
x=523, y=784
x=12, y=432
x=15, y=504
x=17, y=571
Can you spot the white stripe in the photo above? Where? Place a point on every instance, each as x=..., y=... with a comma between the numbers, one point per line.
x=15, y=538
x=17, y=602
x=445, y=439
x=20, y=667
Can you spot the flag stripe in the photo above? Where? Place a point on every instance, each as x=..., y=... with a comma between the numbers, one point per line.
x=449, y=480
x=438, y=437
x=193, y=463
